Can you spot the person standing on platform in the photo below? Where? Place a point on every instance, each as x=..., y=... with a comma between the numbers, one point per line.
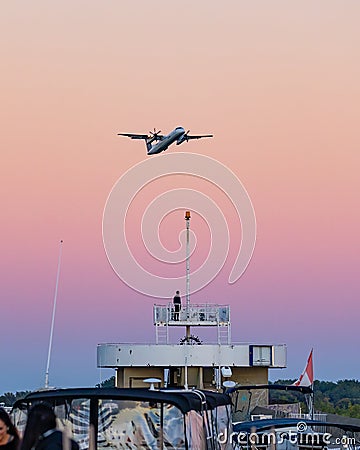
x=177, y=305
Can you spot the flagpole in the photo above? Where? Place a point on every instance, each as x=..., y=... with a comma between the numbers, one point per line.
x=307, y=379
x=53, y=319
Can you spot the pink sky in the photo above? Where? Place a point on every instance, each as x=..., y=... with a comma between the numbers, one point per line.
x=277, y=83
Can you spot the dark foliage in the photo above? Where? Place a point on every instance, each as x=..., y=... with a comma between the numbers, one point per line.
x=9, y=398
x=110, y=382
x=342, y=397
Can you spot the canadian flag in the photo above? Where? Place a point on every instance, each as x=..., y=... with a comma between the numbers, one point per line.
x=307, y=377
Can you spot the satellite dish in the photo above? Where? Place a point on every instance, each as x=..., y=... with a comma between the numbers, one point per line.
x=151, y=381
x=229, y=384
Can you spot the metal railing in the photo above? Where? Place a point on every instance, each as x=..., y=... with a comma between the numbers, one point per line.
x=206, y=314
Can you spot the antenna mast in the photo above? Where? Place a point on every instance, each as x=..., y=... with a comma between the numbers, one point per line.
x=53, y=319
x=187, y=220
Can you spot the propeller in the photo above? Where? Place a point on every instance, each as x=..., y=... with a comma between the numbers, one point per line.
x=154, y=133
x=186, y=136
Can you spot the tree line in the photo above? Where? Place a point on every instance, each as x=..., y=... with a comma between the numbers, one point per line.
x=341, y=397
x=9, y=398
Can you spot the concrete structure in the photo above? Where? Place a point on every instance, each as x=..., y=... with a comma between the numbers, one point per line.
x=133, y=363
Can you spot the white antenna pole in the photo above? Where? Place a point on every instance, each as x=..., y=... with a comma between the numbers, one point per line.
x=53, y=319
x=187, y=220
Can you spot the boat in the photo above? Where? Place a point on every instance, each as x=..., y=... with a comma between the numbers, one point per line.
x=137, y=418
x=259, y=424
x=294, y=434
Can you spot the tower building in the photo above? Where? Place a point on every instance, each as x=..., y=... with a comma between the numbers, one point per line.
x=191, y=363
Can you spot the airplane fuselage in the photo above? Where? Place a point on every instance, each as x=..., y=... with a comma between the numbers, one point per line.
x=166, y=141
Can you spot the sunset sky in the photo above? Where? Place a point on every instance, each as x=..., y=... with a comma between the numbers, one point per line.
x=276, y=82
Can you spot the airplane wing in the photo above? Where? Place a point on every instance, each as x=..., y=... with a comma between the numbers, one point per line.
x=134, y=136
x=188, y=137
x=151, y=136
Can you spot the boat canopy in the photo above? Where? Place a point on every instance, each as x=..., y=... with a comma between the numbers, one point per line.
x=125, y=418
x=182, y=399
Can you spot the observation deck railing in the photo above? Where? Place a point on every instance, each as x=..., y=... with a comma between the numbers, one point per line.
x=196, y=314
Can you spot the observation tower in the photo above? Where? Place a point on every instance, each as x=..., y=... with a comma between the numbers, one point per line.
x=191, y=363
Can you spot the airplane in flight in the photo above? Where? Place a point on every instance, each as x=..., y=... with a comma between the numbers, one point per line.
x=157, y=143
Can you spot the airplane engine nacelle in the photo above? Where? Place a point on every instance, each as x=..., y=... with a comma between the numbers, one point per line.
x=181, y=140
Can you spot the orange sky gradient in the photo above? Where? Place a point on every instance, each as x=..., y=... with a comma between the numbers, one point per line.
x=277, y=83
